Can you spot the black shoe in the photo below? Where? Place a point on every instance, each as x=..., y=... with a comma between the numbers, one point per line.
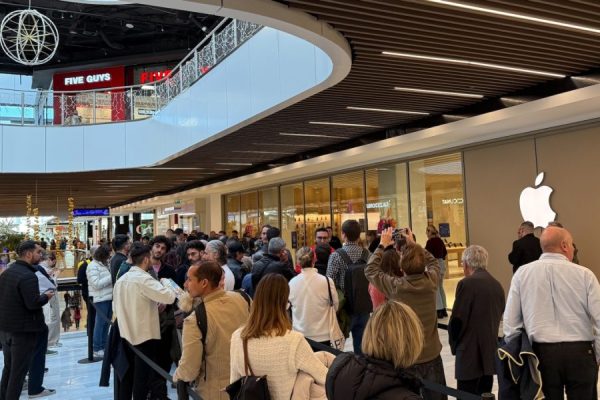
x=440, y=314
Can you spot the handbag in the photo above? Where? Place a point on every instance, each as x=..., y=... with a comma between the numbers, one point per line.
x=336, y=336
x=249, y=387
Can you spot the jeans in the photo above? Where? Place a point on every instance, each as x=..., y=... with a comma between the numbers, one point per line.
x=103, y=316
x=18, y=351
x=357, y=327
x=440, y=300
x=38, y=363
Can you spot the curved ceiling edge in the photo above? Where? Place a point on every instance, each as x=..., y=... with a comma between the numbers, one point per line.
x=282, y=18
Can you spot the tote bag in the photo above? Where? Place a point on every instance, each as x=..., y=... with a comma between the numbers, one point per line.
x=336, y=336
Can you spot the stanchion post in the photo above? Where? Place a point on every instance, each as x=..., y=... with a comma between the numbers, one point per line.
x=488, y=396
x=90, y=322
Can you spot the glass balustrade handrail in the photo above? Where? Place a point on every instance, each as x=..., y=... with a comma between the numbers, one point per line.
x=124, y=103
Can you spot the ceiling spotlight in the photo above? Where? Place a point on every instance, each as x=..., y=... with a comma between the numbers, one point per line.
x=204, y=28
x=129, y=25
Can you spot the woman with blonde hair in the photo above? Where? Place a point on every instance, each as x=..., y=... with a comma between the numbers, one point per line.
x=274, y=349
x=309, y=299
x=392, y=342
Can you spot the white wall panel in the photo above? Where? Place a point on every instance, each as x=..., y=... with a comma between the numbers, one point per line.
x=24, y=149
x=104, y=146
x=296, y=65
x=215, y=90
x=239, y=104
x=264, y=70
x=64, y=149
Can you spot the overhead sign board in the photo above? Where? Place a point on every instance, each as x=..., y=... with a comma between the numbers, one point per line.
x=91, y=212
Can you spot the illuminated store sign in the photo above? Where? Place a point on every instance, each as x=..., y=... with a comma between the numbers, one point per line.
x=152, y=76
x=381, y=204
x=457, y=200
x=91, y=212
x=535, y=203
x=92, y=78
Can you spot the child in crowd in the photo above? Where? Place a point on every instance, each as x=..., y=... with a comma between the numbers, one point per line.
x=66, y=319
x=77, y=317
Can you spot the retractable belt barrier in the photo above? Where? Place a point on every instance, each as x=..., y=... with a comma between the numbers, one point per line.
x=184, y=390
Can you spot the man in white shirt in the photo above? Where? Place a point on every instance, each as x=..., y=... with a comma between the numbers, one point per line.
x=557, y=303
x=136, y=298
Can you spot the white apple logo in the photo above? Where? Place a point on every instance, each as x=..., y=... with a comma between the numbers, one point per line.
x=535, y=203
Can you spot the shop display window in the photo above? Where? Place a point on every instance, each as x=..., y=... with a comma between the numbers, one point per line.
x=232, y=213
x=293, y=228
x=387, y=197
x=268, y=206
x=348, y=200
x=249, y=220
x=317, y=198
x=437, y=198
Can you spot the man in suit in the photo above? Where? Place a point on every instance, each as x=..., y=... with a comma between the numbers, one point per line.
x=21, y=317
x=526, y=248
x=473, y=326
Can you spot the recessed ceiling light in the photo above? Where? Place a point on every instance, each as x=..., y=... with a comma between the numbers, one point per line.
x=345, y=124
x=171, y=168
x=438, y=92
x=472, y=63
x=514, y=100
x=233, y=163
x=148, y=87
x=450, y=116
x=283, y=144
x=517, y=16
x=386, y=110
x=259, y=152
x=313, y=135
x=129, y=25
x=123, y=180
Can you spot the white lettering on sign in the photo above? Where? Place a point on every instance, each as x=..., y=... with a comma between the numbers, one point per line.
x=458, y=200
x=93, y=78
x=381, y=204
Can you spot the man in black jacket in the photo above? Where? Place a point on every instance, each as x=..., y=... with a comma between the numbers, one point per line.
x=21, y=317
x=273, y=262
x=235, y=253
x=526, y=248
x=121, y=245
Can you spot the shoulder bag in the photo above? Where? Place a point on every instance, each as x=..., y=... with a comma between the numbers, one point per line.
x=249, y=387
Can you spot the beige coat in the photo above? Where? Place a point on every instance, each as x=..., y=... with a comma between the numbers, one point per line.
x=226, y=312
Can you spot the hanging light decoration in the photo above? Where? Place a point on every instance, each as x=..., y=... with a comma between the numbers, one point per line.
x=36, y=224
x=71, y=207
x=28, y=215
x=28, y=37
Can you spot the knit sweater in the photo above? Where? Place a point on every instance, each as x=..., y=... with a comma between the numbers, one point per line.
x=279, y=358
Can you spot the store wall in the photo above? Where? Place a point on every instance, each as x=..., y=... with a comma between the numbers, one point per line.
x=496, y=174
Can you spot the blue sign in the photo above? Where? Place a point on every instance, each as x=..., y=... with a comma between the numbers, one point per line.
x=91, y=212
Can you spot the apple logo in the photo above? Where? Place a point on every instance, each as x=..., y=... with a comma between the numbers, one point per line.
x=535, y=203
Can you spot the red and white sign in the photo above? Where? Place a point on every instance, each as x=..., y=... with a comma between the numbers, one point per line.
x=152, y=76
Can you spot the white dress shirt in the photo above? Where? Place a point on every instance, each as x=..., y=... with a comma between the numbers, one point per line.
x=555, y=301
x=135, y=303
x=229, y=278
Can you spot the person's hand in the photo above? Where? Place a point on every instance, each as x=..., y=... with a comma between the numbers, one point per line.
x=56, y=273
x=49, y=293
x=408, y=235
x=386, y=237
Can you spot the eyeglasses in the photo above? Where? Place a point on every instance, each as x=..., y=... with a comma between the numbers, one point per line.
x=322, y=237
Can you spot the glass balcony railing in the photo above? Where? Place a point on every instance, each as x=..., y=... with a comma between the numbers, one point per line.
x=126, y=103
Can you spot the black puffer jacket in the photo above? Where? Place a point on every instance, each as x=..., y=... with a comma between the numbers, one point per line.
x=353, y=377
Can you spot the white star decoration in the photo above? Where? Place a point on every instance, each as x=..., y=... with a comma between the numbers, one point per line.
x=28, y=37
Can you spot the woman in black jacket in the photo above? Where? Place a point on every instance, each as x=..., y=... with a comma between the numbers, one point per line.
x=392, y=342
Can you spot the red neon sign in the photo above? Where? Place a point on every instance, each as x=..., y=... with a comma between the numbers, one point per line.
x=153, y=76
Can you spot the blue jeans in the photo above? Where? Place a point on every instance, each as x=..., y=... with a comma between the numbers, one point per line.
x=103, y=308
x=357, y=327
x=38, y=363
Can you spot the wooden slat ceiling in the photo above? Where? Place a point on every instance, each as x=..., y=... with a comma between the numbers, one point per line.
x=418, y=27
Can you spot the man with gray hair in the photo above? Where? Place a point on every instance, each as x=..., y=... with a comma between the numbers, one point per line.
x=216, y=251
x=526, y=248
x=474, y=323
x=275, y=261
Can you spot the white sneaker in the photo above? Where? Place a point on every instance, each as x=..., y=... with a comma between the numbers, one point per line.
x=99, y=354
x=43, y=393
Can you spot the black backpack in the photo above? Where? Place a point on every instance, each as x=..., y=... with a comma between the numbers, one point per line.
x=202, y=321
x=356, y=285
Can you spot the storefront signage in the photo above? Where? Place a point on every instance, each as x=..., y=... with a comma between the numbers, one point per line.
x=456, y=200
x=91, y=78
x=381, y=204
x=151, y=76
x=535, y=203
x=91, y=212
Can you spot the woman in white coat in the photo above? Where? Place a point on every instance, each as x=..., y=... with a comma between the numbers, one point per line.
x=100, y=288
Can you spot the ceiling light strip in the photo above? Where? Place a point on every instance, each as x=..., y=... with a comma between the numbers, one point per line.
x=472, y=63
x=524, y=17
x=344, y=124
x=439, y=92
x=313, y=135
x=385, y=110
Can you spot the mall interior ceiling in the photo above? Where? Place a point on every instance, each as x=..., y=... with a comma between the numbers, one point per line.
x=416, y=64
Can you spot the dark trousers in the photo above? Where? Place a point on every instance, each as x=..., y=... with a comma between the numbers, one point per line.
x=164, y=359
x=478, y=386
x=140, y=379
x=570, y=367
x=433, y=371
x=18, y=350
x=38, y=363
x=357, y=327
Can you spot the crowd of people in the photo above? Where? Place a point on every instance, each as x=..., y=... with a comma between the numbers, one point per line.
x=217, y=308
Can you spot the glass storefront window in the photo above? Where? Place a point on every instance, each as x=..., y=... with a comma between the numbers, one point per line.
x=232, y=213
x=268, y=206
x=387, y=197
x=318, y=211
x=348, y=200
x=437, y=198
x=249, y=214
x=293, y=229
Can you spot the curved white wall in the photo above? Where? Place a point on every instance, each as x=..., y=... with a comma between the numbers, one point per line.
x=271, y=69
